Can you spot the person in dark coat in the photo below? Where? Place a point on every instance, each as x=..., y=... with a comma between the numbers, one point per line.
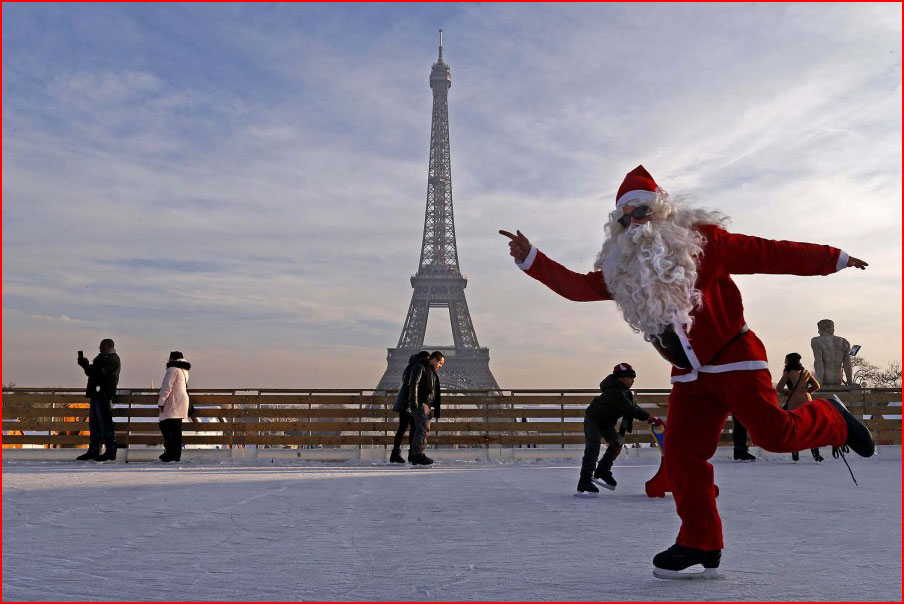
x=103, y=377
x=424, y=401
x=614, y=403
x=401, y=407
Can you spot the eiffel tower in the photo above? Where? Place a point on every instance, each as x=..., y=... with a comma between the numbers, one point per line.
x=439, y=282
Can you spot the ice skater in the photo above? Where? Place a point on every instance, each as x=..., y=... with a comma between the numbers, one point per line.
x=103, y=376
x=668, y=267
x=424, y=402
x=615, y=402
x=798, y=385
x=402, y=408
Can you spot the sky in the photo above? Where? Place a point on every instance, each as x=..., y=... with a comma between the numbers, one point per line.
x=247, y=183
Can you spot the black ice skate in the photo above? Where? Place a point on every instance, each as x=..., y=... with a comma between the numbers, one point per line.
x=420, y=460
x=605, y=479
x=586, y=489
x=795, y=456
x=859, y=440
x=817, y=457
x=743, y=455
x=396, y=457
x=670, y=563
x=109, y=454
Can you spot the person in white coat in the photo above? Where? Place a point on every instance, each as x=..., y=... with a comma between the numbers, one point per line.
x=173, y=404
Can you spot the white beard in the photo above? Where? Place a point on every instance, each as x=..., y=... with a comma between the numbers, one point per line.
x=651, y=270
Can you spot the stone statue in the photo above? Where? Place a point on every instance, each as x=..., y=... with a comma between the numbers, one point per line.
x=831, y=354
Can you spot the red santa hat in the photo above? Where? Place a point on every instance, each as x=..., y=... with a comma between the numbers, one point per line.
x=638, y=188
x=623, y=370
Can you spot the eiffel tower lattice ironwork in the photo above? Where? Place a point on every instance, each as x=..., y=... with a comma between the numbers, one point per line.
x=439, y=282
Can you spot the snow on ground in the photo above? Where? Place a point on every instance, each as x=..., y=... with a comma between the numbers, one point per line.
x=456, y=531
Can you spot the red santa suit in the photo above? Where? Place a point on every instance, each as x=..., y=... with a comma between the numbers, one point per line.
x=723, y=369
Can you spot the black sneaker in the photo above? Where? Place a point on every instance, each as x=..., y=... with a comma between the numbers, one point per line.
x=587, y=487
x=605, y=480
x=859, y=439
x=670, y=563
x=396, y=457
x=744, y=455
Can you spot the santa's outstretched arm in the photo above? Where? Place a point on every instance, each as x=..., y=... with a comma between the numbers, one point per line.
x=587, y=287
x=745, y=254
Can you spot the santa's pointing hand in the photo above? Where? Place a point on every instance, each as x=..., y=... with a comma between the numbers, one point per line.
x=519, y=246
x=857, y=263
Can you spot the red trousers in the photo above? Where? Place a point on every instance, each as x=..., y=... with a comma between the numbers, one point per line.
x=697, y=413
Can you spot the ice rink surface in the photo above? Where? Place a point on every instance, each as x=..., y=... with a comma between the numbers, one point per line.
x=455, y=531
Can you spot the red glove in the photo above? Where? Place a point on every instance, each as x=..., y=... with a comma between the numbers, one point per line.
x=655, y=421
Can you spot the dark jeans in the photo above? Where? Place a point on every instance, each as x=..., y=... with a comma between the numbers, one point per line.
x=100, y=424
x=421, y=429
x=172, y=437
x=405, y=423
x=592, y=436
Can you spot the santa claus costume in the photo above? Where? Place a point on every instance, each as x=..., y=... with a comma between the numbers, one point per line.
x=687, y=305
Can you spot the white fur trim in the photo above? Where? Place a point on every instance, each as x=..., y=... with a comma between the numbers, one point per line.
x=738, y=366
x=638, y=195
x=529, y=261
x=685, y=343
x=842, y=261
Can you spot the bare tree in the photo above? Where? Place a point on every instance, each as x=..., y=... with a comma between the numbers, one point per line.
x=867, y=375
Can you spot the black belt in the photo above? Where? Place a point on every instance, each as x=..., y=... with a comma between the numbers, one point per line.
x=669, y=347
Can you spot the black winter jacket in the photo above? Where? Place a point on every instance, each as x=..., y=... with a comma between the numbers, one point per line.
x=103, y=374
x=615, y=402
x=401, y=401
x=423, y=387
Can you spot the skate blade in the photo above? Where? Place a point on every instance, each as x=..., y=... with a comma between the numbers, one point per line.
x=707, y=573
x=586, y=494
x=600, y=483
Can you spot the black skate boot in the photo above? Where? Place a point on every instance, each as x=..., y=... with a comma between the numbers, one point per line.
x=670, y=563
x=795, y=457
x=88, y=455
x=109, y=453
x=817, y=457
x=743, y=455
x=421, y=460
x=396, y=457
x=585, y=487
x=605, y=479
x=859, y=440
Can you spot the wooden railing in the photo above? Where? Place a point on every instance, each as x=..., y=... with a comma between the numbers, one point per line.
x=57, y=417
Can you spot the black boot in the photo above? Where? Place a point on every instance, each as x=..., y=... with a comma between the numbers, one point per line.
x=670, y=563
x=420, y=460
x=109, y=453
x=795, y=457
x=587, y=487
x=743, y=455
x=88, y=455
x=817, y=457
x=396, y=457
x=859, y=439
x=605, y=479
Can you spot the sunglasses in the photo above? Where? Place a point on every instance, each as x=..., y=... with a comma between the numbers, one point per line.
x=640, y=212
